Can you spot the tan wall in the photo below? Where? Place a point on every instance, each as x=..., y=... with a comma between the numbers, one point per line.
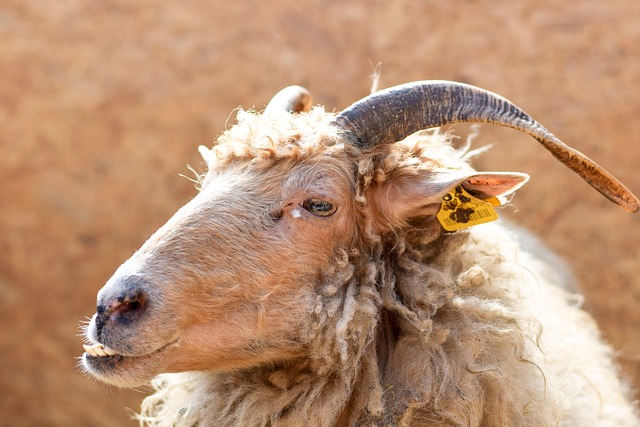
x=102, y=106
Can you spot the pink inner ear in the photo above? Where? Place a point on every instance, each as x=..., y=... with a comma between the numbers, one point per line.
x=486, y=185
x=411, y=195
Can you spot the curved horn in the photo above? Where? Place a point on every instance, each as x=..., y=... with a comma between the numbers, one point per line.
x=294, y=99
x=395, y=113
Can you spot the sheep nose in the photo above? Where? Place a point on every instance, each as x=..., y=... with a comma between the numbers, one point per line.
x=124, y=308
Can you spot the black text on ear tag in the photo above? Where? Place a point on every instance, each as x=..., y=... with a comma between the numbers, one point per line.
x=462, y=210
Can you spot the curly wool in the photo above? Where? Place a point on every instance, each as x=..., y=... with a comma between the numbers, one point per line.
x=424, y=328
x=468, y=349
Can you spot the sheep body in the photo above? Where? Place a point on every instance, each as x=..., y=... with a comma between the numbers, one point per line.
x=433, y=329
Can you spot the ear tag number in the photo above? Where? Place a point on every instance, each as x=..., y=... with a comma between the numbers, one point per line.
x=461, y=210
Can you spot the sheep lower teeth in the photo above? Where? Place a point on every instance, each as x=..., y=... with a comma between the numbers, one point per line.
x=98, y=350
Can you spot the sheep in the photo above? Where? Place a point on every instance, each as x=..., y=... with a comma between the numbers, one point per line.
x=314, y=280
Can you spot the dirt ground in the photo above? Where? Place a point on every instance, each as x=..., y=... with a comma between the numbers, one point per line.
x=102, y=106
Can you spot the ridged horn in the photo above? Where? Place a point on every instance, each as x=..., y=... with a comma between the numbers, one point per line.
x=395, y=113
x=294, y=99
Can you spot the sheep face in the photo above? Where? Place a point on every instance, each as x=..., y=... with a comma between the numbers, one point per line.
x=227, y=281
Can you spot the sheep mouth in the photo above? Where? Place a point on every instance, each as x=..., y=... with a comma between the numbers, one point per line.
x=99, y=350
x=108, y=365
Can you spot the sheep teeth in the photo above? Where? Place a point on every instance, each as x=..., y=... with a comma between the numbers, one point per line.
x=98, y=350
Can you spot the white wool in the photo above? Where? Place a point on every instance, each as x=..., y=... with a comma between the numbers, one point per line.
x=467, y=329
x=543, y=352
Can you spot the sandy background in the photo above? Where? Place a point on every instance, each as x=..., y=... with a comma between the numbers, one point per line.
x=102, y=106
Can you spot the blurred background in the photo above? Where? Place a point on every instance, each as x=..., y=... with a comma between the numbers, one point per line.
x=103, y=104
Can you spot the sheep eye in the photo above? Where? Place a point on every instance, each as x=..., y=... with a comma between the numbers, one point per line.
x=319, y=207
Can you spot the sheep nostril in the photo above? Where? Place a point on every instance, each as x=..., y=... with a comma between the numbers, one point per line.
x=123, y=309
x=130, y=302
x=128, y=307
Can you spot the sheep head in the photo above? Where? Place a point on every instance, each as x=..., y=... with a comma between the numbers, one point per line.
x=231, y=280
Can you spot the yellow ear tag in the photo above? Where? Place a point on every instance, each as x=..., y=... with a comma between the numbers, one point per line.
x=461, y=210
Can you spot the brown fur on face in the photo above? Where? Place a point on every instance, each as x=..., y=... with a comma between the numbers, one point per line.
x=249, y=252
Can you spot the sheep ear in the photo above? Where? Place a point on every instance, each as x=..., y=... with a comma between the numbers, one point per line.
x=402, y=198
x=484, y=185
